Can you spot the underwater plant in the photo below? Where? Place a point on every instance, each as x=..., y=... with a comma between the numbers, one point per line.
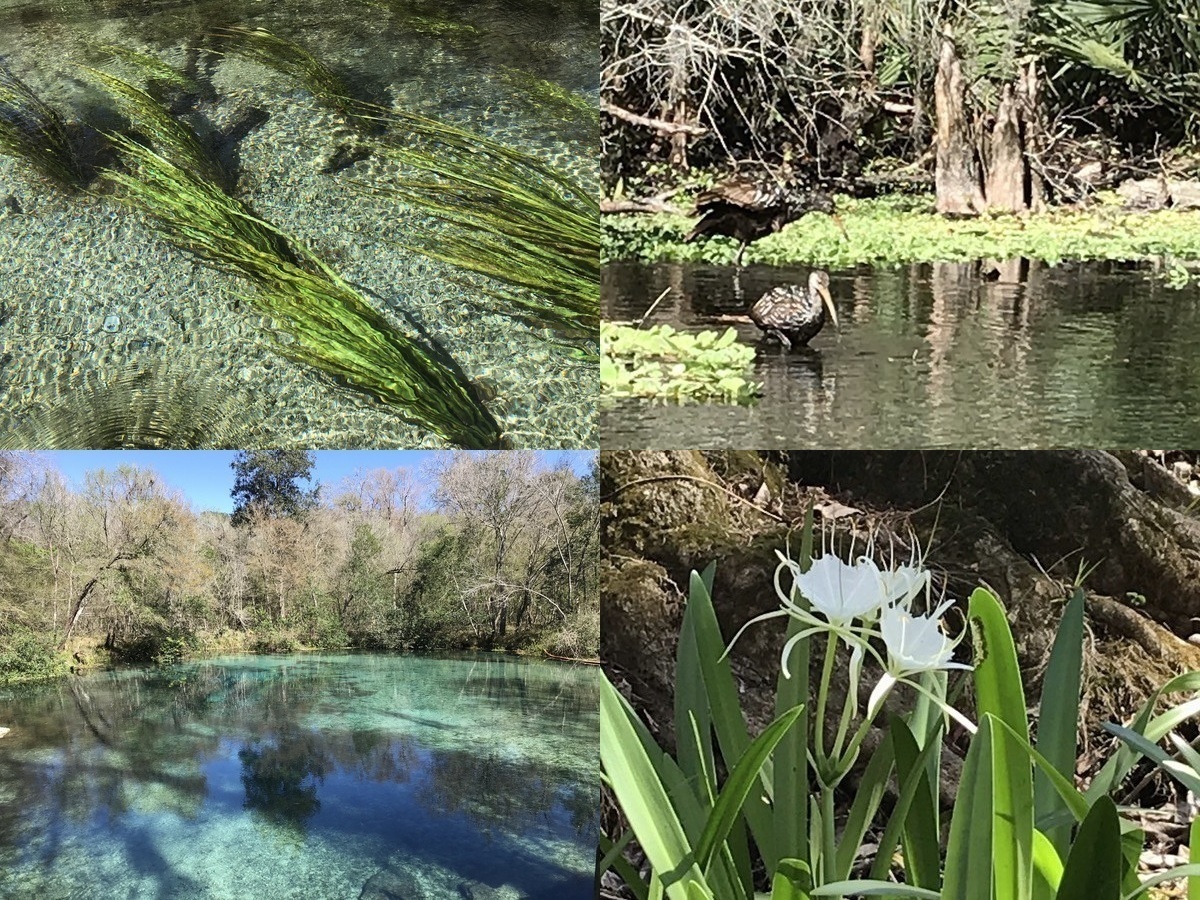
x=32, y=130
x=171, y=137
x=286, y=57
x=511, y=216
x=336, y=329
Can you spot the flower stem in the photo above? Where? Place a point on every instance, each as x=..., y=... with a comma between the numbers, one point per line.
x=828, y=837
x=822, y=698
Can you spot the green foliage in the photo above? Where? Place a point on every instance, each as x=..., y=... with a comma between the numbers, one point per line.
x=1006, y=836
x=661, y=362
x=26, y=655
x=270, y=481
x=329, y=324
x=895, y=230
x=32, y=130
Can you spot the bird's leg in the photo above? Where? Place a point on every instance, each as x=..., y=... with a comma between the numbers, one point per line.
x=738, y=294
x=737, y=260
x=783, y=339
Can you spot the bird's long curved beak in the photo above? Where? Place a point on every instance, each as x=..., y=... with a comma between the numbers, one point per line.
x=828, y=301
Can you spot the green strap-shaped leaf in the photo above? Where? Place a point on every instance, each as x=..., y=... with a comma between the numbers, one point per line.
x=922, y=852
x=745, y=778
x=999, y=693
x=969, y=860
x=726, y=710
x=639, y=791
x=1093, y=869
x=790, y=765
x=1058, y=719
x=793, y=880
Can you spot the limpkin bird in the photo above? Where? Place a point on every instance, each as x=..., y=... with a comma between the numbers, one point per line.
x=747, y=209
x=795, y=314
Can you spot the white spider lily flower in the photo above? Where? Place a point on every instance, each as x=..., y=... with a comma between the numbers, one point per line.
x=841, y=592
x=914, y=644
x=902, y=584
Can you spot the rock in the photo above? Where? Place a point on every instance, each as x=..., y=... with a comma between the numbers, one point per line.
x=391, y=884
x=4, y=731
x=1184, y=194
x=1143, y=193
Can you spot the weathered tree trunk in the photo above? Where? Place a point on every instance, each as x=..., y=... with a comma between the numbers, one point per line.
x=997, y=173
x=957, y=176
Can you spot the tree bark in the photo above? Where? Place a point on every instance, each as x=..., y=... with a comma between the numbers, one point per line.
x=957, y=175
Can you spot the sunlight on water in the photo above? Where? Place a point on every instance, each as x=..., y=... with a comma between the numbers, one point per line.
x=303, y=777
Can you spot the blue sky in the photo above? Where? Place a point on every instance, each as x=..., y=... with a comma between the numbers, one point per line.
x=205, y=476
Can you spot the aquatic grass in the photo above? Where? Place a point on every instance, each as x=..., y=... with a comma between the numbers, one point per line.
x=150, y=67
x=170, y=137
x=335, y=329
x=553, y=99
x=662, y=363
x=32, y=130
x=511, y=217
x=288, y=58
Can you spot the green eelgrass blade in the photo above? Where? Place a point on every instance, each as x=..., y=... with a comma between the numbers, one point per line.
x=1058, y=719
x=286, y=57
x=695, y=755
x=32, y=130
x=876, y=889
x=910, y=786
x=1093, y=868
x=510, y=216
x=336, y=330
x=643, y=799
x=172, y=139
x=150, y=67
x=999, y=693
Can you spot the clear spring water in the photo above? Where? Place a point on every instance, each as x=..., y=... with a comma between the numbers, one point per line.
x=111, y=337
x=303, y=776
x=1014, y=354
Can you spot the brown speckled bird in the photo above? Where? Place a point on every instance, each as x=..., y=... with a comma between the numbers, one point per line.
x=795, y=314
x=747, y=209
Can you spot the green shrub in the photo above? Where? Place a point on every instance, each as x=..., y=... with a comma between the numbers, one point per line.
x=26, y=655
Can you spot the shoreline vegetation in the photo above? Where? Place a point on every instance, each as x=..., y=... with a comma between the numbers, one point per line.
x=905, y=228
x=491, y=553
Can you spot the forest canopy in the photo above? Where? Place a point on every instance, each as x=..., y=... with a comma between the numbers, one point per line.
x=487, y=551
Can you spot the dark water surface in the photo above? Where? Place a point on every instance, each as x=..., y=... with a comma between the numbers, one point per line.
x=303, y=777
x=1015, y=354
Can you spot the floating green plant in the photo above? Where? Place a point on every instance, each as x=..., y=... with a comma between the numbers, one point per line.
x=663, y=363
x=32, y=130
x=288, y=58
x=336, y=330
